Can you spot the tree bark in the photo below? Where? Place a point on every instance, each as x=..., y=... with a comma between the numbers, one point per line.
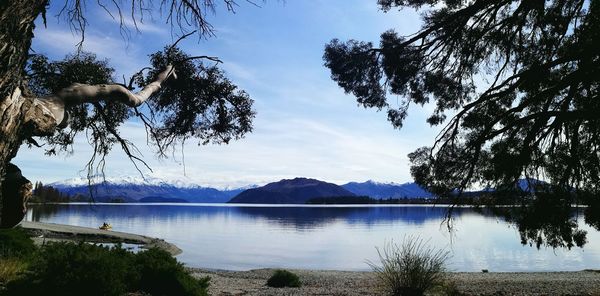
x=16, y=32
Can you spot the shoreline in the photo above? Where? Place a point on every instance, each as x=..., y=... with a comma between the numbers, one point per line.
x=329, y=282
x=42, y=232
x=333, y=282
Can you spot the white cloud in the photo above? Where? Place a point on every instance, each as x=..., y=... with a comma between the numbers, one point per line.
x=56, y=42
x=306, y=125
x=65, y=41
x=141, y=24
x=288, y=148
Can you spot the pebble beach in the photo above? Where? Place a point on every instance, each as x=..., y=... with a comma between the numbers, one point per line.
x=316, y=282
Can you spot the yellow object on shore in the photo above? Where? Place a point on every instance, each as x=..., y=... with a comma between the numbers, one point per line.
x=106, y=226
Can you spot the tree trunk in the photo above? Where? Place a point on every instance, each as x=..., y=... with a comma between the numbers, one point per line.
x=16, y=32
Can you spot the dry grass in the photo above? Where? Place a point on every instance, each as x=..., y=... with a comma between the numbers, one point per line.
x=10, y=269
x=411, y=268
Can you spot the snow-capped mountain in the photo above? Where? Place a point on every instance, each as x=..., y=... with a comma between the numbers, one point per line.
x=387, y=190
x=150, y=189
x=128, y=180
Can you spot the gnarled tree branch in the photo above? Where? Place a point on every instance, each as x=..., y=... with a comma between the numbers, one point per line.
x=56, y=105
x=85, y=93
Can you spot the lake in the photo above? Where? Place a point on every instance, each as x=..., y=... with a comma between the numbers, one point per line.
x=242, y=237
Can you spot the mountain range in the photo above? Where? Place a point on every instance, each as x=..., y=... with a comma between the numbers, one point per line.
x=297, y=190
x=153, y=190
x=387, y=190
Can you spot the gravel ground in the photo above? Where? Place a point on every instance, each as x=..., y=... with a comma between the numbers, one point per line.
x=539, y=283
x=363, y=283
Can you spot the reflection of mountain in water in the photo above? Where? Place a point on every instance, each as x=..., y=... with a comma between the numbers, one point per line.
x=315, y=217
x=296, y=217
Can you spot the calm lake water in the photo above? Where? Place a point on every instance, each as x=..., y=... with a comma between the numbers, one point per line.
x=242, y=237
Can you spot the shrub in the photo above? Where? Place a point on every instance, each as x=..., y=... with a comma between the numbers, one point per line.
x=75, y=269
x=283, y=278
x=411, y=268
x=15, y=242
x=161, y=274
x=84, y=269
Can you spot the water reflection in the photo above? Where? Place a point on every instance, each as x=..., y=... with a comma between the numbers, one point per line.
x=298, y=217
x=546, y=225
x=323, y=237
x=317, y=217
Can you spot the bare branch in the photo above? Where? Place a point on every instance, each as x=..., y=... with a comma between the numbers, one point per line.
x=214, y=59
x=180, y=38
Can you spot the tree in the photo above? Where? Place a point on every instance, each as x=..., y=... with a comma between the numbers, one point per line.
x=518, y=79
x=177, y=98
x=45, y=194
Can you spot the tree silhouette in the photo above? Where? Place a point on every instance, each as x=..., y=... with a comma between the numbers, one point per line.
x=536, y=114
x=46, y=194
x=178, y=97
x=515, y=84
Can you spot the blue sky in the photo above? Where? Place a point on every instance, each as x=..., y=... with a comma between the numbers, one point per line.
x=305, y=126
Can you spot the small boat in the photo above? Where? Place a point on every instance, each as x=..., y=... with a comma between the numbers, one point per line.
x=105, y=226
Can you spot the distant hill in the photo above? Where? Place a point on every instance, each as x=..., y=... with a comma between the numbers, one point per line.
x=387, y=190
x=292, y=191
x=146, y=191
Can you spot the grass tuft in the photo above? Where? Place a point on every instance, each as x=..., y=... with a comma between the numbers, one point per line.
x=410, y=269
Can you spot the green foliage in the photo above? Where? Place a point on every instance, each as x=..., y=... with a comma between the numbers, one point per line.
x=410, y=269
x=48, y=77
x=161, y=274
x=99, y=121
x=15, y=249
x=84, y=269
x=201, y=103
x=283, y=278
x=15, y=242
x=70, y=269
